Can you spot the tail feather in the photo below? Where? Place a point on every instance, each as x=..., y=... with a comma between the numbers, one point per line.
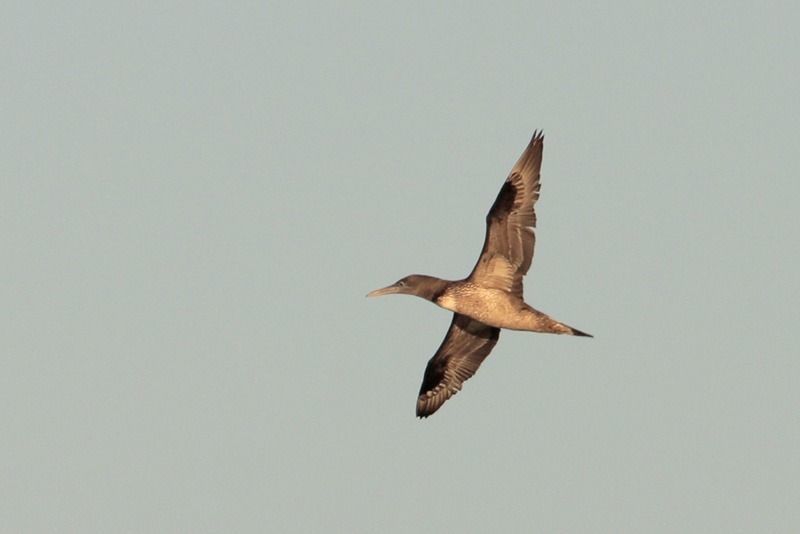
x=576, y=332
x=561, y=328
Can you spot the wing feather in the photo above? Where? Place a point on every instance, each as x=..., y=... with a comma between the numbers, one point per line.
x=466, y=345
x=510, y=222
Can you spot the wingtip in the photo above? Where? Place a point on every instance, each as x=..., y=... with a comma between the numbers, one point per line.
x=424, y=411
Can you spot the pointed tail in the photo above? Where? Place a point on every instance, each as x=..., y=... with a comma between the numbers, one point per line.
x=576, y=332
x=561, y=328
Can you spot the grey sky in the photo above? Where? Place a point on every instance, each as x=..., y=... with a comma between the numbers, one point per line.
x=196, y=198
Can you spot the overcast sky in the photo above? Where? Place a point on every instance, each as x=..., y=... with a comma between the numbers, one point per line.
x=197, y=196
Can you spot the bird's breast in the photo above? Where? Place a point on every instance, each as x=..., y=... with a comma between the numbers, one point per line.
x=490, y=306
x=448, y=301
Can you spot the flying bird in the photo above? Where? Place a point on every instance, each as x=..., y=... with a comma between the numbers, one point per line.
x=490, y=298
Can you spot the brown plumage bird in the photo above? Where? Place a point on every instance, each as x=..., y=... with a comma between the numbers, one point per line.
x=490, y=298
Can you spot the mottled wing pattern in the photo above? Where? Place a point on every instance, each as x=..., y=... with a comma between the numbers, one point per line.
x=508, y=246
x=466, y=345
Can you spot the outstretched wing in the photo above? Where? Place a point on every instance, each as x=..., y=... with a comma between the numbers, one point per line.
x=466, y=345
x=508, y=247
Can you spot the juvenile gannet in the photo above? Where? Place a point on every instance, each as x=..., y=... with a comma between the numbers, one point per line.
x=490, y=298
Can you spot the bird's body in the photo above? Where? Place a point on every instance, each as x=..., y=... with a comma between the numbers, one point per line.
x=496, y=307
x=490, y=298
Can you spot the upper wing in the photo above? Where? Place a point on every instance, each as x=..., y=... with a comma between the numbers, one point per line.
x=508, y=247
x=466, y=345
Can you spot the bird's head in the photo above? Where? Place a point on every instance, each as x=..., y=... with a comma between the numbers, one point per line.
x=419, y=285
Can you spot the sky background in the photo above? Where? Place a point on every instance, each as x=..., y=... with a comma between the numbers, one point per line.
x=197, y=196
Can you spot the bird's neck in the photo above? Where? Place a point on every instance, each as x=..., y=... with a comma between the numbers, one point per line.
x=431, y=288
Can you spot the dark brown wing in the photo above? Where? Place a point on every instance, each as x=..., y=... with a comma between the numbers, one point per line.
x=508, y=247
x=466, y=345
